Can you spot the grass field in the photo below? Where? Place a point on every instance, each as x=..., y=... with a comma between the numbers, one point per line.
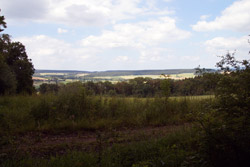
x=72, y=129
x=73, y=111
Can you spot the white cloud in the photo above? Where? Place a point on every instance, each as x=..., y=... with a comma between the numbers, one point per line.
x=190, y=58
x=121, y=59
x=142, y=42
x=235, y=17
x=204, y=17
x=153, y=54
x=61, y=31
x=138, y=35
x=124, y=41
x=220, y=46
x=145, y=37
x=78, y=12
x=25, y=9
x=51, y=53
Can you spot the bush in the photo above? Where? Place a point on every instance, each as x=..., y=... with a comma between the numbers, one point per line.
x=72, y=100
x=227, y=127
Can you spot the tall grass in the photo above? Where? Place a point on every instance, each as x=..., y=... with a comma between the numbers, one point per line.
x=74, y=110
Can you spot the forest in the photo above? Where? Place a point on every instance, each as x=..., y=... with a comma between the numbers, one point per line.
x=196, y=122
x=146, y=87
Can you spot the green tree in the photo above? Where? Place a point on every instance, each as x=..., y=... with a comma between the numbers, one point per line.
x=165, y=86
x=48, y=88
x=7, y=79
x=2, y=23
x=16, y=68
x=227, y=126
x=7, y=76
x=18, y=61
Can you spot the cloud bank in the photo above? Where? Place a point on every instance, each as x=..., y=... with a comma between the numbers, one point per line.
x=79, y=12
x=222, y=45
x=236, y=17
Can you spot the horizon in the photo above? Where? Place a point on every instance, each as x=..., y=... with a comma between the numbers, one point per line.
x=125, y=70
x=128, y=34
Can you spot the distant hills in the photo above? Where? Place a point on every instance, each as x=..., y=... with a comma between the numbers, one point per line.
x=121, y=72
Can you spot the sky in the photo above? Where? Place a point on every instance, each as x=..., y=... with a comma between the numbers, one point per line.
x=99, y=35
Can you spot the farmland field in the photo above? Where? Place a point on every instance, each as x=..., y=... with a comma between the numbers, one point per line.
x=127, y=77
x=114, y=77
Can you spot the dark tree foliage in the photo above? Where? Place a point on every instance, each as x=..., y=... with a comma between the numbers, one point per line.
x=227, y=127
x=48, y=88
x=199, y=71
x=165, y=87
x=147, y=87
x=7, y=79
x=16, y=69
x=2, y=23
x=23, y=68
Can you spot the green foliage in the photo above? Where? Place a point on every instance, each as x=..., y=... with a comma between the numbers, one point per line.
x=227, y=127
x=7, y=79
x=16, y=69
x=18, y=60
x=14, y=113
x=76, y=159
x=2, y=23
x=173, y=150
x=71, y=108
x=165, y=87
x=41, y=111
x=48, y=88
x=147, y=87
x=199, y=71
x=72, y=100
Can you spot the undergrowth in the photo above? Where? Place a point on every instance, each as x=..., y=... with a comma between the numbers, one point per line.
x=177, y=149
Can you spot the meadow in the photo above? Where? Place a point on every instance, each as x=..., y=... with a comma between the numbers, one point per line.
x=73, y=129
x=76, y=111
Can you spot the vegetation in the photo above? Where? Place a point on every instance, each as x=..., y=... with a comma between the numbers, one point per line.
x=63, y=77
x=171, y=150
x=73, y=109
x=131, y=124
x=16, y=69
x=227, y=126
x=147, y=87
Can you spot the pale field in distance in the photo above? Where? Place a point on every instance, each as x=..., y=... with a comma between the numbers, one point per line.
x=44, y=74
x=81, y=75
x=127, y=77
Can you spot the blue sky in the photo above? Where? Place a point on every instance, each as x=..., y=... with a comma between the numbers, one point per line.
x=102, y=35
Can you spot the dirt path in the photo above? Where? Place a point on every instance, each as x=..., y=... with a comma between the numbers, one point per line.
x=45, y=144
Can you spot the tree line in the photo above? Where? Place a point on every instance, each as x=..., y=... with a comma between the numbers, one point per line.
x=147, y=87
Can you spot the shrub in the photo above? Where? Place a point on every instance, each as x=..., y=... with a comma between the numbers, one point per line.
x=227, y=127
x=72, y=100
